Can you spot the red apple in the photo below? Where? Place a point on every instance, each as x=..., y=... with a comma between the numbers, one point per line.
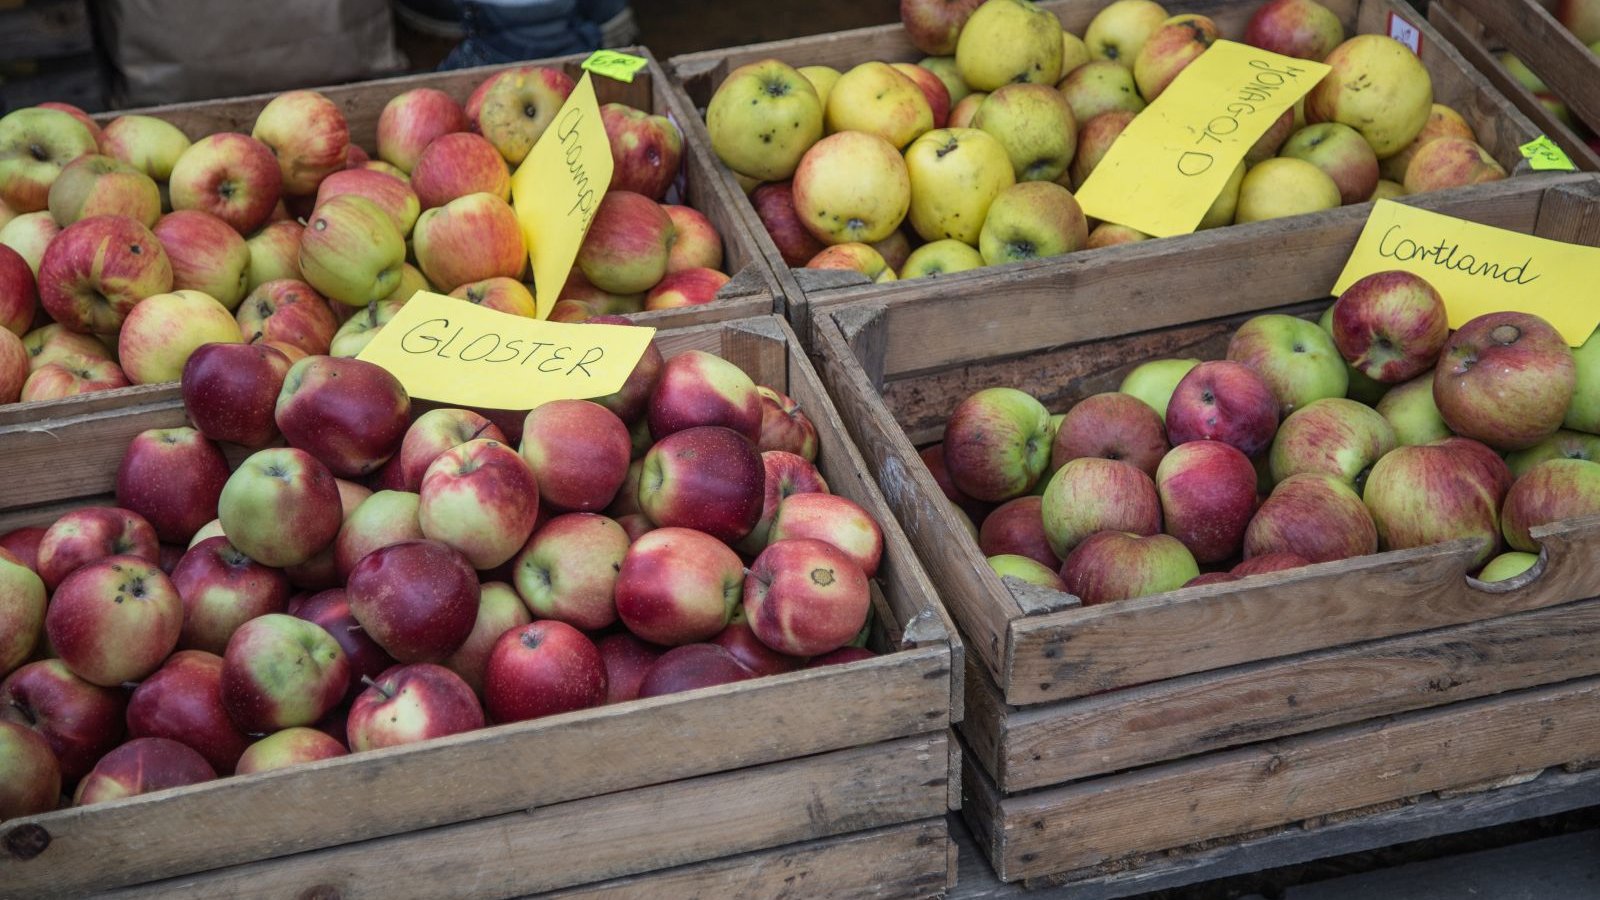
x=784, y=426
x=997, y=444
x=933, y=457
x=417, y=599
x=281, y=507
x=142, y=766
x=708, y=478
x=695, y=242
x=1208, y=495
x=1430, y=493
x=469, y=239
x=97, y=269
x=568, y=571
x=289, y=747
x=687, y=287
x=95, y=185
x=30, y=775
x=579, y=451
x=330, y=609
x=1551, y=491
x=1089, y=495
x=691, y=667
x=786, y=475
x=14, y=368
x=114, y=620
x=456, y=165
x=435, y=432
x=699, y=388
x=840, y=656
x=678, y=586
x=1115, y=565
x=1332, y=436
x=221, y=589
x=646, y=150
x=1281, y=561
x=93, y=533
x=280, y=671
x=740, y=640
x=626, y=659
x=207, y=255
x=348, y=413
x=1505, y=379
x=23, y=543
x=500, y=609
x=308, y=134
x=412, y=703
x=22, y=610
x=1111, y=426
x=1300, y=28
x=1319, y=517
x=1226, y=401
x=287, y=311
x=173, y=478
x=232, y=176
x=932, y=26
x=1017, y=527
x=543, y=669
x=480, y=499
x=183, y=701
x=513, y=107
x=805, y=597
x=19, y=294
x=938, y=96
x=1390, y=326
x=80, y=721
x=389, y=193
x=231, y=390
x=774, y=205
x=626, y=248
x=410, y=121
x=834, y=520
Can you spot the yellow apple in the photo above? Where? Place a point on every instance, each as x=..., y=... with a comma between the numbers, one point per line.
x=1387, y=190
x=1282, y=187
x=1118, y=31
x=1226, y=205
x=852, y=186
x=876, y=99
x=1008, y=41
x=1099, y=87
x=1379, y=88
x=854, y=257
x=941, y=258
x=1074, y=52
x=1032, y=220
x=822, y=79
x=955, y=174
x=1442, y=122
x=1110, y=234
x=1035, y=125
x=763, y=118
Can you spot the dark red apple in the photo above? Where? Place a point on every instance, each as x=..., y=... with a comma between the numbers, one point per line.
x=1017, y=526
x=708, y=478
x=1111, y=426
x=172, y=477
x=690, y=667
x=79, y=720
x=183, y=701
x=231, y=390
x=698, y=388
x=417, y=599
x=740, y=640
x=142, y=766
x=543, y=669
x=348, y=413
x=331, y=610
x=627, y=659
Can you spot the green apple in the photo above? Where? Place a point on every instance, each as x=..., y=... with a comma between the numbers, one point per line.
x=351, y=252
x=822, y=79
x=1524, y=76
x=1284, y=187
x=359, y=330
x=945, y=68
x=955, y=173
x=1583, y=414
x=1409, y=407
x=1563, y=444
x=1154, y=381
x=1119, y=31
x=852, y=186
x=1024, y=568
x=1007, y=41
x=1363, y=387
x=1035, y=125
x=1296, y=359
x=1508, y=565
x=763, y=118
x=941, y=257
x=1032, y=220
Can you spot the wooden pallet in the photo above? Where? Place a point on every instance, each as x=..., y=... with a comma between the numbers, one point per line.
x=1499, y=127
x=857, y=756
x=1061, y=694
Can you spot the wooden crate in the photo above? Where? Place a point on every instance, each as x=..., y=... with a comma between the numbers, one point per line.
x=1061, y=693
x=851, y=767
x=1499, y=127
x=1482, y=28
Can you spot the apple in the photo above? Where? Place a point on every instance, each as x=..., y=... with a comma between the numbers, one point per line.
x=182, y=701
x=351, y=252
x=231, y=390
x=1111, y=426
x=932, y=87
x=308, y=134
x=578, y=451
x=741, y=642
x=1294, y=357
x=786, y=475
x=695, y=241
x=499, y=293
x=627, y=245
x=1036, y=126
x=289, y=747
x=480, y=499
x=359, y=330
x=411, y=120
x=97, y=269
x=955, y=174
x=852, y=186
x=412, y=703
x=678, y=586
x=1442, y=122
x=1332, y=436
x=348, y=413
x=1505, y=379
x=1207, y=492
x=1283, y=186
x=23, y=543
x=330, y=610
x=457, y=165
x=997, y=444
x=1341, y=153
x=30, y=776
x=19, y=294
x=142, y=766
x=1581, y=18
x=1027, y=569
x=114, y=620
x=1120, y=30
x=647, y=150
x=541, y=669
x=1089, y=495
x=436, y=431
x=500, y=609
x=1154, y=381
x=1551, y=491
x=785, y=426
x=1391, y=326
x=1447, y=162
x=1410, y=410
x=90, y=534
x=1169, y=50
x=163, y=330
x=941, y=257
x=932, y=26
x=1226, y=401
x=280, y=671
x=274, y=254
x=832, y=519
x=1583, y=413
x=1507, y=566
x=35, y=145
x=71, y=376
x=1271, y=141
x=232, y=176
x=854, y=257
x=1016, y=528
x=53, y=343
x=1430, y=493
x=1281, y=561
x=1319, y=517
x=287, y=311
x=387, y=517
x=1032, y=220
x=149, y=144
x=688, y=287
x=874, y=98
x=763, y=118
x=513, y=107
x=14, y=368
x=944, y=68
x=393, y=196
x=280, y=507
x=95, y=185
x=627, y=659
x=417, y=599
x=80, y=721
x=805, y=597
x=1378, y=87
x=207, y=255
x=172, y=477
x=691, y=667
x=697, y=388
x=708, y=477
x=1304, y=29
x=22, y=609
x=1006, y=41
x=29, y=235
x=1114, y=565
x=1563, y=444
x=1095, y=89
x=221, y=589
x=568, y=571
x=962, y=113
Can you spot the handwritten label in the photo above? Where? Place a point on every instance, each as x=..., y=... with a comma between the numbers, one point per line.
x=1543, y=155
x=449, y=350
x=614, y=65
x=1406, y=32
x=1167, y=168
x=1480, y=269
x=557, y=189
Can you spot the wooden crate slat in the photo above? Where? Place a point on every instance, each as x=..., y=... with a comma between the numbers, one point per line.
x=1529, y=30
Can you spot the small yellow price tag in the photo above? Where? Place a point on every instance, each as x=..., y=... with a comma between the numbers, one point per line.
x=453, y=351
x=1169, y=165
x=1543, y=155
x=557, y=189
x=1480, y=269
x=618, y=66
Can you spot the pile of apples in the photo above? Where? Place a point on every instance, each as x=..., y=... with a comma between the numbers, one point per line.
x=1377, y=429
x=124, y=249
x=364, y=579
x=969, y=158
x=1582, y=18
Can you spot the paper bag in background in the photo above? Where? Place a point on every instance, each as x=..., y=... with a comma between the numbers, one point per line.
x=165, y=51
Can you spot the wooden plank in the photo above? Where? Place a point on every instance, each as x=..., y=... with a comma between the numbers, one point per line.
x=900, y=861
x=1571, y=213
x=554, y=760
x=611, y=836
x=77, y=455
x=1238, y=791
x=1529, y=30
x=45, y=29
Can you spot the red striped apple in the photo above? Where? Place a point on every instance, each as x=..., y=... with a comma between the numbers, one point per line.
x=1431, y=493
x=1111, y=426
x=351, y=252
x=1318, y=517
x=1505, y=379
x=207, y=255
x=1089, y=495
x=627, y=245
x=997, y=444
x=413, y=119
x=1333, y=436
x=695, y=241
x=14, y=368
x=19, y=294
x=232, y=176
x=147, y=143
x=393, y=196
x=1224, y=401
x=469, y=239
x=274, y=254
x=287, y=311
x=97, y=269
x=686, y=287
x=456, y=165
x=95, y=185
x=308, y=134
x=698, y=388
x=1390, y=326
x=1551, y=491
x=647, y=150
x=774, y=203
x=543, y=669
x=1115, y=565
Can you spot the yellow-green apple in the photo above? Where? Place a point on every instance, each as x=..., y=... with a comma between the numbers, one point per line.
x=209, y=530
x=231, y=390
x=163, y=330
x=1222, y=400
x=1225, y=208
x=646, y=150
x=741, y=642
x=95, y=185
x=1378, y=87
x=1340, y=152
x=281, y=507
x=417, y=599
x=35, y=145
x=280, y=671
x=480, y=499
x=70, y=376
x=787, y=474
x=97, y=269
x=1089, y=494
x=232, y=176
x=627, y=245
x=500, y=293
x=1390, y=326
x=392, y=195
x=852, y=186
x=359, y=330
x=854, y=257
x=308, y=134
x=1094, y=142
x=93, y=533
x=330, y=610
x=206, y=255
x=997, y=444
x=1505, y=379
x=542, y=669
x=29, y=235
x=182, y=702
x=626, y=659
x=457, y=164
x=962, y=112
x=1296, y=358
x=1016, y=528
x=1582, y=18
x=1113, y=425
x=1006, y=41
x=932, y=26
x=172, y=477
x=1284, y=187
x=1169, y=50
x=351, y=252
x=221, y=589
x=1507, y=566
x=1304, y=29
x=764, y=116
x=30, y=775
x=578, y=451
x=1117, y=565
x=1409, y=408
x=22, y=608
x=411, y=120
x=470, y=239
x=80, y=721
x=513, y=107
x=1319, y=517
x=822, y=79
x=1100, y=87
x=834, y=520
x=436, y=431
x=933, y=90
x=1583, y=414
x=14, y=368
x=1032, y=220
x=708, y=478
x=686, y=287
x=942, y=257
x=1024, y=569
x=54, y=342
x=348, y=413
x=274, y=254
x=1110, y=234
x=691, y=667
x=1442, y=122
x=1551, y=491
x=695, y=242
x=875, y=98
x=289, y=747
x=1207, y=491
x=387, y=517
x=568, y=571
x=287, y=311
x=1430, y=493
x=1563, y=444
x=1118, y=31
x=1035, y=126
x=700, y=388
x=142, y=766
x=1447, y=162
x=114, y=620
x=499, y=611
x=784, y=426
x=412, y=703
x=1333, y=436
x=411, y=281
x=147, y=143
x=805, y=597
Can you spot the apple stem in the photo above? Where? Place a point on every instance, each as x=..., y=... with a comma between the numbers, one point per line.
x=367, y=680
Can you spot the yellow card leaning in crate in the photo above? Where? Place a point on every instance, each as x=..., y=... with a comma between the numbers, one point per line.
x=557, y=189
x=1480, y=269
x=446, y=349
x=1169, y=165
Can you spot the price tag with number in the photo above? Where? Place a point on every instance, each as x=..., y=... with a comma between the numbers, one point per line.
x=614, y=65
x=1543, y=155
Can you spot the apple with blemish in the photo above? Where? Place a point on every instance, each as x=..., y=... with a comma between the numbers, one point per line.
x=499, y=293
x=114, y=620
x=142, y=766
x=1225, y=401
x=350, y=251
x=280, y=671
x=412, y=703
x=1506, y=379
x=35, y=145
x=852, y=186
x=763, y=118
x=411, y=120
x=232, y=176
x=513, y=107
x=1447, y=162
x=391, y=195
x=646, y=150
x=97, y=269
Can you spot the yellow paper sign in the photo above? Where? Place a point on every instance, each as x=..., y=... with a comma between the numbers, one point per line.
x=1543, y=155
x=453, y=351
x=1480, y=269
x=557, y=189
x=1169, y=165
x=614, y=65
